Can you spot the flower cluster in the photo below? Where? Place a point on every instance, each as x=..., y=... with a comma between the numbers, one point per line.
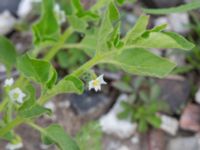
x=16, y=94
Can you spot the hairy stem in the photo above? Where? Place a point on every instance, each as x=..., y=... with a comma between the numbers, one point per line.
x=53, y=51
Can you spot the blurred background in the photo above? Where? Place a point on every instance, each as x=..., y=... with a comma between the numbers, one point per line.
x=127, y=109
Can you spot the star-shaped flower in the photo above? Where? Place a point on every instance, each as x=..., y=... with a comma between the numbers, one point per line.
x=8, y=82
x=16, y=95
x=96, y=84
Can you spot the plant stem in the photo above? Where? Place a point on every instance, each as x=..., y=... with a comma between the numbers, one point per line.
x=3, y=104
x=53, y=51
x=74, y=45
x=86, y=66
x=17, y=121
x=33, y=125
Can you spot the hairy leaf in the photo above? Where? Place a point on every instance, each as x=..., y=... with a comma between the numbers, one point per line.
x=141, y=62
x=47, y=28
x=55, y=134
x=39, y=70
x=7, y=52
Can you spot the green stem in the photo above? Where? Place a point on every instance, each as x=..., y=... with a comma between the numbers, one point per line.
x=33, y=125
x=86, y=66
x=17, y=121
x=76, y=46
x=53, y=51
x=3, y=104
x=9, y=112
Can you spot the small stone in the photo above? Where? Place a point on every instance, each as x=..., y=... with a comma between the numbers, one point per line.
x=186, y=143
x=135, y=139
x=169, y=124
x=162, y=3
x=176, y=22
x=50, y=105
x=123, y=148
x=197, y=96
x=157, y=140
x=90, y=104
x=175, y=91
x=112, y=125
x=190, y=119
x=2, y=68
x=43, y=146
x=64, y=104
x=7, y=22
x=25, y=7
x=10, y=5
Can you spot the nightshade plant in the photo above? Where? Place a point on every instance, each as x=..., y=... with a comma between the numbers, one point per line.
x=100, y=26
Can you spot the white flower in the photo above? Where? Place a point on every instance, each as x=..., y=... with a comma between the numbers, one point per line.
x=17, y=95
x=96, y=84
x=10, y=146
x=7, y=22
x=8, y=82
x=60, y=14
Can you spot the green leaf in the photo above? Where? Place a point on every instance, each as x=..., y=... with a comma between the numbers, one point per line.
x=77, y=23
x=100, y=4
x=141, y=62
x=155, y=121
x=89, y=42
x=106, y=28
x=33, y=111
x=183, y=8
x=69, y=84
x=120, y=1
x=47, y=28
x=144, y=97
x=90, y=136
x=159, y=28
x=163, y=40
x=80, y=12
x=77, y=5
x=7, y=53
x=30, y=97
x=137, y=30
x=123, y=86
x=154, y=92
x=39, y=70
x=143, y=126
x=56, y=134
x=113, y=12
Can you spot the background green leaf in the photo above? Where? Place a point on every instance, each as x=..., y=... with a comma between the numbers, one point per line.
x=183, y=8
x=47, y=28
x=90, y=136
x=7, y=53
x=56, y=134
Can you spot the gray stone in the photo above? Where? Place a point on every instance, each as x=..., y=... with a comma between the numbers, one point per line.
x=175, y=91
x=162, y=3
x=90, y=104
x=10, y=5
x=186, y=143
